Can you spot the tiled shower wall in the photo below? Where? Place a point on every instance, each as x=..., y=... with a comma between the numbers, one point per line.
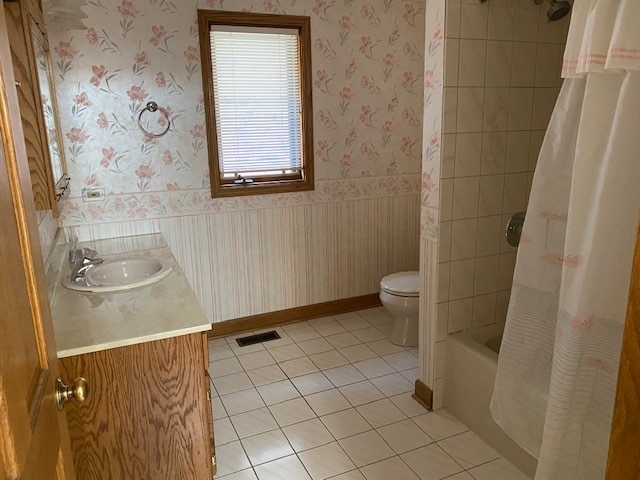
x=501, y=81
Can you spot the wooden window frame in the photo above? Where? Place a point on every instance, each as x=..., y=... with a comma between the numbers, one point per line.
x=263, y=185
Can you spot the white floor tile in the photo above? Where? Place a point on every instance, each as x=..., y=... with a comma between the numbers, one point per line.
x=344, y=375
x=361, y=393
x=241, y=402
x=499, y=469
x=411, y=374
x=329, y=401
x=393, y=384
x=231, y=458
x=392, y=468
x=401, y=361
x=302, y=334
x=287, y=468
x=468, y=450
x=370, y=334
x=342, y=340
x=439, y=425
x=235, y=382
x=345, y=423
x=366, y=448
x=404, y=436
x=431, y=463
x=291, y=411
x=384, y=347
x=374, y=367
x=376, y=316
x=409, y=405
x=219, y=352
x=358, y=352
x=256, y=360
x=312, y=383
x=287, y=352
x=217, y=409
x=238, y=350
x=360, y=385
x=247, y=474
x=317, y=345
x=326, y=461
x=266, y=447
x=266, y=375
x=226, y=366
x=298, y=367
x=320, y=320
x=278, y=392
x=224, y=431
x=464, y=476
x=381, y=413
x=327, y=360
x=386, y=329
x=294, y=326
x=352, y=475
x=329, y=328
x=253, y=422
x=354, y=323
x=305, y=435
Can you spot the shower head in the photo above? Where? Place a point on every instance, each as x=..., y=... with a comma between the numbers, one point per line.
x=558, y=10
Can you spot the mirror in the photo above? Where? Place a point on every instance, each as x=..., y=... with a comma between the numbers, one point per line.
x=50, y=111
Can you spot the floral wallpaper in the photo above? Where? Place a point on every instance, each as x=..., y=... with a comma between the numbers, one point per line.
x=368, y=59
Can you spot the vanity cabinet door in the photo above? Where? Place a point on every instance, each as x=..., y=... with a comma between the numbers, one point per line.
x=147, y=414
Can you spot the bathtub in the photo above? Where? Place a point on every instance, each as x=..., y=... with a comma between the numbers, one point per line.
x=471, y=364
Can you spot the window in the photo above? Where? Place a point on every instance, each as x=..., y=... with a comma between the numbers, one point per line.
x=257, y=85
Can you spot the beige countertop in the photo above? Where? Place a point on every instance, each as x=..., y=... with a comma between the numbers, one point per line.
x=90, y=322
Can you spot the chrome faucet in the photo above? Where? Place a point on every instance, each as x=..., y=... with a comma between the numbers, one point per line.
x=80, y=260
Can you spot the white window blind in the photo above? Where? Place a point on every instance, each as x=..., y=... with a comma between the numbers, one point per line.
x=257, y=101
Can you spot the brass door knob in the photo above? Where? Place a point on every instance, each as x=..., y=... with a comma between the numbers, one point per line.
x=79, y=391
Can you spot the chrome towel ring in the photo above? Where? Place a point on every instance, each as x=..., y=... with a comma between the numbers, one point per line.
x=153, y=107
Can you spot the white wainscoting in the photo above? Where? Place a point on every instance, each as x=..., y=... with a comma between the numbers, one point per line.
x=250, y=262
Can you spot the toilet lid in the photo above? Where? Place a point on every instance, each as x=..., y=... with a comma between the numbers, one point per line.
x=406, y=284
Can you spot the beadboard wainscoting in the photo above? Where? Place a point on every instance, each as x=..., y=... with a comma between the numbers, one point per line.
x=250, y=262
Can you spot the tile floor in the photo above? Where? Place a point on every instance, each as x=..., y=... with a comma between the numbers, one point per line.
x=332, y=399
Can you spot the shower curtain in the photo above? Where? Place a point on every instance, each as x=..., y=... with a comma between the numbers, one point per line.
x=557, y=369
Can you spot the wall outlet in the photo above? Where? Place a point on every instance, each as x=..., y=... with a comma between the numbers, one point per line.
x=93, y=194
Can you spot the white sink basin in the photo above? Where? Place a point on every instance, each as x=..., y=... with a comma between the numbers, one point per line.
x=121, y=274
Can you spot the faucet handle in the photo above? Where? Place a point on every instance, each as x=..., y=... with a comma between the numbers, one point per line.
x=89, y=253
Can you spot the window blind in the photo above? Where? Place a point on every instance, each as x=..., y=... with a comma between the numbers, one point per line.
x=257, y=99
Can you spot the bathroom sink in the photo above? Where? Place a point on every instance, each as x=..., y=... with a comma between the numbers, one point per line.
x=121, y=274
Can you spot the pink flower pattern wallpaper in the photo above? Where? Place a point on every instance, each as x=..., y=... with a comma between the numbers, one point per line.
x=368, y=59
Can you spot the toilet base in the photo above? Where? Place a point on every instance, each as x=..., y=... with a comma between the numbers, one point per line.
x=405, y=332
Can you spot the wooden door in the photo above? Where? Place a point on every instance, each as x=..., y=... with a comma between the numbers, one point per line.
x=624, y=445
x=34, y=442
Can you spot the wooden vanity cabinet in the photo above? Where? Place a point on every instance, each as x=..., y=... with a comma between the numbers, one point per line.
x=148, y=413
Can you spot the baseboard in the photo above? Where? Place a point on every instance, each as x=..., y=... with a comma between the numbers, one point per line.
x=423, y=395
x=290, y=315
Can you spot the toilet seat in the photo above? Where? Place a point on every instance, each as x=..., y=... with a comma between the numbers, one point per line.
x=401, y=284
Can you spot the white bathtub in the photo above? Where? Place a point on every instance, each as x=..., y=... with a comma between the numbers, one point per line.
x=471, y=364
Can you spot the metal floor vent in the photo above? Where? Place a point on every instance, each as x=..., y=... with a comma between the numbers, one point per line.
x=258, y=338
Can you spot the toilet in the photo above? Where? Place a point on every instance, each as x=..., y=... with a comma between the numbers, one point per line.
x=399, y=294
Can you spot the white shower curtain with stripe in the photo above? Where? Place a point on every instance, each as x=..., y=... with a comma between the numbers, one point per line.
x=557, y=370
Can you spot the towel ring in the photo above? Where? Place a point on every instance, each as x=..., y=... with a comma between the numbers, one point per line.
x=153, y=107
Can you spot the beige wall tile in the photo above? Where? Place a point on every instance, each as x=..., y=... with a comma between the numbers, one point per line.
x=474, y=20
x=460, y=315
x=491, y=195
x=461, y=283
x=468, y=153
x=486, y=275
x=470, y=109
x=494, y=146
x=518, y=146
x=465, y=197
x=501, y=22
x=472, y=62
x=498, y=69
x=463, y=238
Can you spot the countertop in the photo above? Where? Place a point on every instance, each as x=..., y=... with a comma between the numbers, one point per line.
x=90, y=322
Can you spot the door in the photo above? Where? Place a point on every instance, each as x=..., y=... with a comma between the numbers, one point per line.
x=34, y=442
x=624, y=453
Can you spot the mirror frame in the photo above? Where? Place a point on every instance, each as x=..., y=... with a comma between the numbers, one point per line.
x=55, y=146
